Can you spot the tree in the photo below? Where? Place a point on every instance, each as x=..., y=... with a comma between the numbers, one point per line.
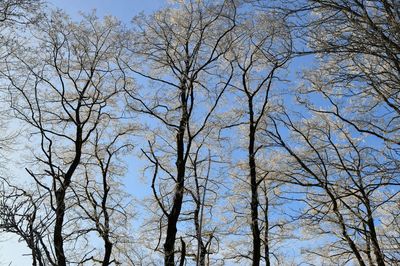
x=101, y=196
x=263, y=48
x=18, y=11
x=199, y=197
x=345, y=187
x=15, y=16
x=359, y=45
x=18, y=215
x=355, y=77
x=205, y=184
x=61, y=88
x=242, y=166
x=180, y=50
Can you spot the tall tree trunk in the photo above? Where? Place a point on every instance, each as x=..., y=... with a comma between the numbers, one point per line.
x=368, y=244
x=198, y=218
x=183, y=253
x=58, y=237
x=343, y=227
x=200, y=255
x=254, y=190
x=373, y=237
x=107, y=252
x=106, y=234
x=203, y=255
x=266, y=237
x=169, y=245
x=60, y=195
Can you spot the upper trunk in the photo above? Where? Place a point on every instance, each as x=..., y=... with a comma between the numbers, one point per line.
x=254, y=190
x=169, y=245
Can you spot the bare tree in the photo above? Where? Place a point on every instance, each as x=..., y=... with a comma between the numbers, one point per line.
x=101, y=196
x=263, y=48
x=199, y=197
x=179, y=49
x=15, y=16
x=354, y=80
x=205, y=184
x=357, y=43
x=61, y=88
x=18, y=11
x=202, y=79
x=359, y=64
x=19, y=216
x=345, y=183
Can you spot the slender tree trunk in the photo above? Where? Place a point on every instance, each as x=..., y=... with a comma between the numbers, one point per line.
x=107, y=252
x=374, y=238
x=254, y=190
x=34, y=260
x=58, y=237
x=198, y=216
x=106, y=235
x=60, y=196
x=201, y=251
x=368, y=244
x=169, y=245
x=342, y=225
x=266, y=237
x=203, y=255
x=183, y=253
x=31, y=241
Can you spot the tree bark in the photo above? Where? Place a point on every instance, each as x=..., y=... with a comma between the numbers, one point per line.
x=169, y=245
x=254, y=190
x=183, y=253
x=107, y=253
x=343, y=227
x=60, y=196
x=58, y=238
x=266, y=237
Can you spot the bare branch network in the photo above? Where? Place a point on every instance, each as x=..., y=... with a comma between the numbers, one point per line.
x=227, y=132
